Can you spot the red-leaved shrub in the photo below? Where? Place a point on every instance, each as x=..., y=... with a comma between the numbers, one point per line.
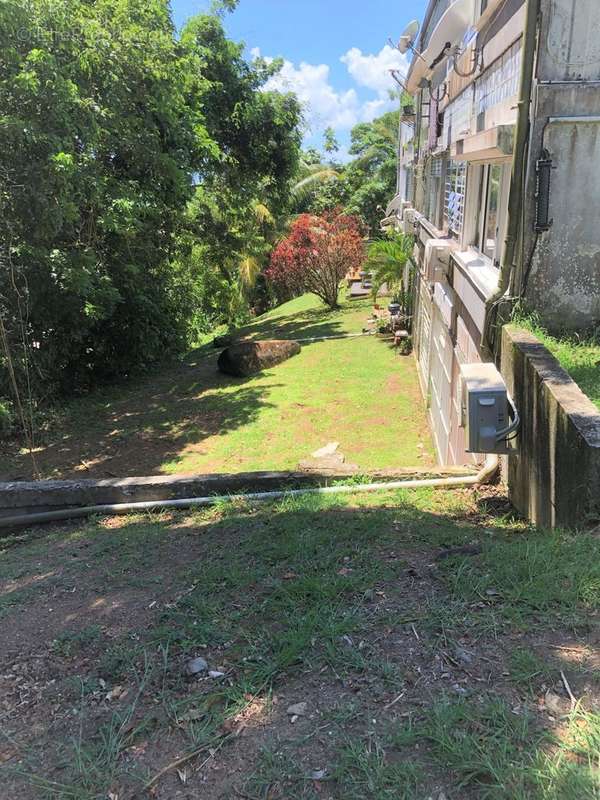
x=316, y=254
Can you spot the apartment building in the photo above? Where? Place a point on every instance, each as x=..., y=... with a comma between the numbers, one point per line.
x=499, y=181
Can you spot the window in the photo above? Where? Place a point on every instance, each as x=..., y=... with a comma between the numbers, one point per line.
x=434, y=188
x=491, y=222
x=410, y=184
x=457, y=117
x=492, y=182
x=454, y=200
x=498, y=83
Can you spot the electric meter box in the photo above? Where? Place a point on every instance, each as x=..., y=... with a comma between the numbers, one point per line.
x=484, y=408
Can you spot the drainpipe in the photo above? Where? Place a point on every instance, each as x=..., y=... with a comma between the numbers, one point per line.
x=485, y=475
x=516, y=197
x=399, y=151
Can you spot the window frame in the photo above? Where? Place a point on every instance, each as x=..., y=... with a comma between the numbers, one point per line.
x=477, y=208
x=456, y=174
x=433, y=206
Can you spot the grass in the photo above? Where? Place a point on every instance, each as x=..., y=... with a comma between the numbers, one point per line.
x=579, y=357
x=188, y=418
x=528, y=576
x=343, y=602
x=70, y=642
x=528, y=669
x=503, y=754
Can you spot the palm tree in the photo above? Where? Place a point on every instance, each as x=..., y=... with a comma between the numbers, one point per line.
x=258, y=242
x=309, y=177
x=387, y=259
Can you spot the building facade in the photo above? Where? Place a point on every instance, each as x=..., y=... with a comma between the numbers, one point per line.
x=499, y=160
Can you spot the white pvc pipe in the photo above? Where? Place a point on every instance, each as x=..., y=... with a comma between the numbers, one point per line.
x=335, y=336
x=483, y=476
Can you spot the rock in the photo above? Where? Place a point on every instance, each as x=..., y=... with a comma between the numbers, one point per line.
x=116, y=693
x=214, y=673
x=328, y=450
x=297, y=710
x=555, y=704
x=463, y=655
x=247, y=358
x=196, y=666
x=193, y=715
x=333, y=462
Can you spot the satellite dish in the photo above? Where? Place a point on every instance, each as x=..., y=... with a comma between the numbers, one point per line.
x=407, y=39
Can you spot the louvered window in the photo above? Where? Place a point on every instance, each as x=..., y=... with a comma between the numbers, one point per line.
x=454, y=198
x=434, y=191
x=499, y=83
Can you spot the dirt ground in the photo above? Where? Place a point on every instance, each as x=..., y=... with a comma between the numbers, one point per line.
x=356, y=612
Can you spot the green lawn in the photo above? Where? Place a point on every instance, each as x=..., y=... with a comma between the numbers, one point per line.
x=581, y=359
x=188, y=418
x=431, y=637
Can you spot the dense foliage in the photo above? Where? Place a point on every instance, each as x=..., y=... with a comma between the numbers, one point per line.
x=365, y=185
x=387, y=259
x=145, y=179
x=133, y=166
x=316, y=254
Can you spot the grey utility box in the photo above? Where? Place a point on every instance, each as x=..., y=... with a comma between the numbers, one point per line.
x=484, y=408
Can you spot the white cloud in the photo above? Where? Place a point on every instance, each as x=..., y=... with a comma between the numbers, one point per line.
x=373, y=71
x=325, y=106
x=375, y=108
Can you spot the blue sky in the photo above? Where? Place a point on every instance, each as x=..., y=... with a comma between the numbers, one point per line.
x=336, y=52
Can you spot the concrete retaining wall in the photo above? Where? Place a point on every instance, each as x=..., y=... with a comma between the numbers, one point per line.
x=21, y=497
x=554, y=478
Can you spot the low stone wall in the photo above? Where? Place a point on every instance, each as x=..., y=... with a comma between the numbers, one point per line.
x=554, y=477
x=24, y=497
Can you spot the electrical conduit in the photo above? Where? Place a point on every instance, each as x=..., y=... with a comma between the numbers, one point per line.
x=485, y=474
x=515, y=204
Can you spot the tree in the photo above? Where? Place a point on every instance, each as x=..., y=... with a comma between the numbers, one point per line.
x=310, y=177
x=371, y=176
x=365, y=185
x=387, y=259
x=331, y=143
x=221, y=7
x=98, y=141
x=317, y=254
x=231, y=217
x=131, y=159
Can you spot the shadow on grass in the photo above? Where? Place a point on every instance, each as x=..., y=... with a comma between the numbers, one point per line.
x=275, y=593
x=135, y=428
x=305, y=324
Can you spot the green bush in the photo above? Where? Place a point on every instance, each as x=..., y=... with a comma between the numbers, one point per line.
x=6, y=418
x=112, y=122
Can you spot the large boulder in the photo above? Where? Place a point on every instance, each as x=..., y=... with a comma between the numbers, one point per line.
x=248, y=358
